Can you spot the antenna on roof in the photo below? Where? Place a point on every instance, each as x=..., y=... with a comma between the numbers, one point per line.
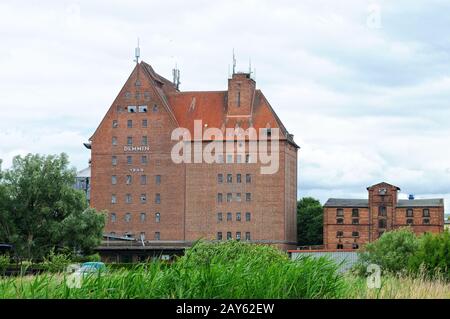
x=137, y=52
x=176, y=77
x=234, y=63
x=250, y=66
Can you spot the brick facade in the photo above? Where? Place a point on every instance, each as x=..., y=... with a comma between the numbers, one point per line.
x=350, y=223
x=131, y=161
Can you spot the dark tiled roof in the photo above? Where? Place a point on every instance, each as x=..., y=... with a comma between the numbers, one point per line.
x=433, y=202
x=341, y=202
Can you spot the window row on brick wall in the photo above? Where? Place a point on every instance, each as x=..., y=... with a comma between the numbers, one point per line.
x=143, y=140
x=142, y=198
x=340, y=234
x=129, y=179
x=229, y=178
x=229, y=217
x=143, y=159
x=382, y=212
x=130, y=124
x=221, y=197
x=127, y=218
x=229, y=236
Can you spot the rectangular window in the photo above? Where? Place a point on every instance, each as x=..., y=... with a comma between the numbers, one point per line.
x=158, y=198
x=238, y=197
x=229, y=236
x=158, y=179
x=131, y=109
x=130, y=140
x=238, y=99
x=382, y=223
x=220, y=178
x=155, y=108
x=229, y=197
x=339, y=221
x=129, y=123
x=127, y=217
x=355, y=234
x=220, y=159
x=143, y=179
x=238, y=235
x=382, y=211
x=219, y=197
x=128, y=180
x=238, y=159
x=247, y=236
x=113, y=217
x=114, y=179
x=144, y=159
x=355, y=212
x=355, y=221
x=115, y=124
x=238, y=178
x=142, y=108
x=248, y=216
x=129, y=160
x=248, y=197
x=339, y=234
x=219, y=236
x=229, y=178
x=144, y=140
x=157, y=236
x=114, y=141
x=114, y=160
x=409, y=212
x=144, y=123
x=409, y=221
x=113, y=199
x=339, y=212
x=426, y=221
x=426, y=212
x=219, y=217
x=143, y=198
x=229, y=158
x=238, y=217
x=143, y=217
x=157, y=217
x=248, y=178
x=229, y=217
x=340, y=246
x=128, y=198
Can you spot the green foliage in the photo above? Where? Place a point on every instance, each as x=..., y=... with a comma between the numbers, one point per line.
x=56, y=262
x=309, y=222
x=432, y=256
x=4, y=263
x=208, y=270
x=39, y=207
x=391, y=251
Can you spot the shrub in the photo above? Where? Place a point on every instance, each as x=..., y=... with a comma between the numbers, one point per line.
x=392, y=252
x=4, y=263
x=432, y=256
x=56, y=262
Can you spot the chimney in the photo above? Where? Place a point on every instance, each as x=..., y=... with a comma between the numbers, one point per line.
x=241, y=90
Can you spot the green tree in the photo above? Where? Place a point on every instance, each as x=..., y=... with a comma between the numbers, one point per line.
x=309, y=222
x=41, y=205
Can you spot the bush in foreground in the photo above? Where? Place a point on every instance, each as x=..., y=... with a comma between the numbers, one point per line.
x=208, y=270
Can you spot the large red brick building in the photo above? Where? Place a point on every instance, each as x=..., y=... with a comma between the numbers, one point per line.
x=350, y=223
x=162, y=204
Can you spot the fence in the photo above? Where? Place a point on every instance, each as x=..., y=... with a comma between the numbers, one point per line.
x=346, y=259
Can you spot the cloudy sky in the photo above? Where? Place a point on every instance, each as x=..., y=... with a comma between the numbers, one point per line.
x=363, y=85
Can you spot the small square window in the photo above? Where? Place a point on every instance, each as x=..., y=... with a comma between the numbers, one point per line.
x=339, y=234
x=155, y=108
x=130, y=140
x=426, y=212
x=142, y=108
x=115, y=124
x=144, y=159
x=409, y=221
x=340, y=246
x=339, y=212
x=355, y=212
x=355, y=221
x=355, y=246
x=144, y=123
x=144, y=140
x=238, y=159
x=229, y=158
x=143, y=179
x=129, y=123
x=220, y=159
x=409, y=212
x=128, y=198
x=355, y=234
x=114, y=141
x=131, y=109
x=426, y=221
x=339, y=220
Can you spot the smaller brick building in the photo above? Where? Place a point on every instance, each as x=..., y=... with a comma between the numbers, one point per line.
x=350, y=223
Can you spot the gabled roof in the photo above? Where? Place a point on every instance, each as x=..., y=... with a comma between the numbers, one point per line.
x=382, y=183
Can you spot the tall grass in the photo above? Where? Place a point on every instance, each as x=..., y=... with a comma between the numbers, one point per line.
x=220, y=270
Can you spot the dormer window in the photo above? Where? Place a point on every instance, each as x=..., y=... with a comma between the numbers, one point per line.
x=142, y=108
x=131, y=108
